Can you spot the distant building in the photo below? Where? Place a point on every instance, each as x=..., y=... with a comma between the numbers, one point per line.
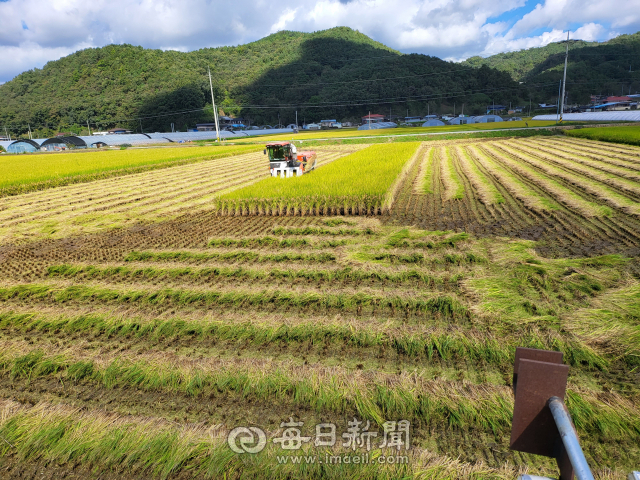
x=118, y=131
x=330, y=124
x=206, y=127
x=461, y=121
x=487, y=119
x=347, y=124
x=313, y=126
x=495, y=108
x=372, y=118
x=618, y=99
x=413, y=120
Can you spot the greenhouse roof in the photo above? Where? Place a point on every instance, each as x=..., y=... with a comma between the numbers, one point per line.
x=627, y=115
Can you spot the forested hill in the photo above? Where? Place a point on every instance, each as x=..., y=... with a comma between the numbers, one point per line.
x=333, y=73
x=608, y=68
x=519, y=64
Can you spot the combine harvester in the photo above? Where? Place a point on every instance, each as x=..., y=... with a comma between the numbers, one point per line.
x=285, y=161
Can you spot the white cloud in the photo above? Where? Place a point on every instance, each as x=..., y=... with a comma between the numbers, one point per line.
x=560, y=14
x=286, y=18
x=36, y=31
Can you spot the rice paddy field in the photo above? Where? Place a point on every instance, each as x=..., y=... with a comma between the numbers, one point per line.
x=353, y=132
x=146, y=316
x=29, y=172
x=629, y=135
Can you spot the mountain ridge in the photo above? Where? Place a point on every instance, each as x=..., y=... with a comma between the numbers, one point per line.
x=336, y=72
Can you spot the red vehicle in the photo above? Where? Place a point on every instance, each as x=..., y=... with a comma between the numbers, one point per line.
x=285, y=161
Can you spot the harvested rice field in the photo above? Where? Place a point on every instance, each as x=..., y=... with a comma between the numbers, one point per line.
x=141, y=325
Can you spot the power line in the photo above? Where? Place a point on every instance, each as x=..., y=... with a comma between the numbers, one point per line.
x=364, y=80
x=333, y=104
x=356, y=102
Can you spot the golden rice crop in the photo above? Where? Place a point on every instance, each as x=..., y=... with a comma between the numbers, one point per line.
x=355, y=184
x=16, y=170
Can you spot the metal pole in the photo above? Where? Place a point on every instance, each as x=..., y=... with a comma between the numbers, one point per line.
x=569, y=438
x=564, y=77
x=213, y=105
x=558, y=102
x=89, y=127
x=30, y=136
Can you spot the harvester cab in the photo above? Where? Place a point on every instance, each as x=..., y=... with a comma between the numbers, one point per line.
x=285, y=161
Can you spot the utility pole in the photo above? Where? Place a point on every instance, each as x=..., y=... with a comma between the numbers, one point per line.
x=89, y=127
x=213, y=105
x=6, y=134
x=558, y=102
x=296, y=119
x=564, y=78
x=30, y=136
x=141, y=131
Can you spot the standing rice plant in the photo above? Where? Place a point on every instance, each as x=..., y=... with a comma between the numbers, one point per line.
x=365, y=181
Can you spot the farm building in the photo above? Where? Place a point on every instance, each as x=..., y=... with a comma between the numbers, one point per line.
x=23, y=145
x=461, y=121
x=487, y=119
x=62, y=143
x=413, y=120
x=434, y=122
x=495, y=108
x=97, y=141
x=373, y=118
x=377, y=125
x=330, y=124
x=622, y=116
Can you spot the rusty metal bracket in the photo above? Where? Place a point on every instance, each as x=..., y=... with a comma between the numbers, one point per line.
x=539, y=375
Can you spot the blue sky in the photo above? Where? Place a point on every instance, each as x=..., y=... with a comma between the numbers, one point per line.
x=36, y=31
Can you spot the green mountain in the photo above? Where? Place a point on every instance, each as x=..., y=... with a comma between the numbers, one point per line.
x=607, y=68
x=337, y=73
x=519, y=64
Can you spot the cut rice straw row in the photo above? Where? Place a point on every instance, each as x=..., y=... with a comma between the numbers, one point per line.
x=513, y=184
